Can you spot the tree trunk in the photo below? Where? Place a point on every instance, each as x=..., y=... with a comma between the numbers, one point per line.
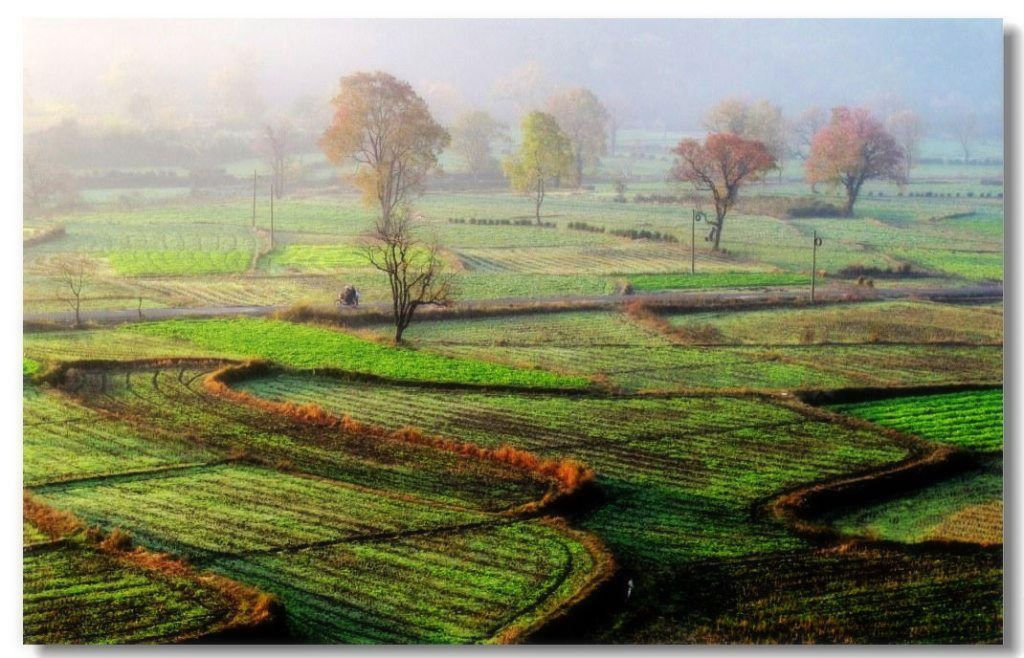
x=78, y=316
x=718, y=231
x=851, y=198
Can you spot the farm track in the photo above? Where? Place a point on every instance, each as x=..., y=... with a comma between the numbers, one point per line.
x=704, y=300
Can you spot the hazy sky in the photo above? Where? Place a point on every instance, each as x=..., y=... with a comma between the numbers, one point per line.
x=657, y=71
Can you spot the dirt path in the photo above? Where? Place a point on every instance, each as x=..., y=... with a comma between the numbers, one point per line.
x=703, y=297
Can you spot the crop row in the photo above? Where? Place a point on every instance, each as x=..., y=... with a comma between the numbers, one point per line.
x=172, y=403
x=75, y=594
x=972, y=419
x=452, y=587
x=63, y=440
x=237, y=508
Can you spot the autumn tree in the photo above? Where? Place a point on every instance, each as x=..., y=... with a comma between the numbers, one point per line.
x=473, y=135
x=382, y=125
x=723, y=163
x=585, y=121
x=852, y=148
x=760, y=121
x=907, y=129
x=416, y=273
x=276, y=144
x=964, y=127
x=544, y=156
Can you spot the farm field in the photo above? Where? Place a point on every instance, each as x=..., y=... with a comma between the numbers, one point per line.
x=611, y=433
x=966, y=507
x=80, y=591
x=970, y=419
x=109, y=603
x=873, y=322
x=354, y=509
x=614, y=349
x=179, y=252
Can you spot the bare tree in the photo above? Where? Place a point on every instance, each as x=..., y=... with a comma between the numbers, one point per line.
x=415, y=270
x=74, y=273
x=908, y=129
x=276, y=146
x=964, y=127
x=45, y=186
x=804, y=128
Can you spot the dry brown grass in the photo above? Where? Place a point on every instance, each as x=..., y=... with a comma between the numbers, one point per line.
x=54, y=523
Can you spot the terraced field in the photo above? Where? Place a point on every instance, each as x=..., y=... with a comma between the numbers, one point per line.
x=679, y=477
x=967, y=507
x=305, y=346
x=963, y=508
x=326, y=523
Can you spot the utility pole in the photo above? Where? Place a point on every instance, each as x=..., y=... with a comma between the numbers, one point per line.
x=697, y=217
x=254, y=198
x=814, y=262
x=271, y=214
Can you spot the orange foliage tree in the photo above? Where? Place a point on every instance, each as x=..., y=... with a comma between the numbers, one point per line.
x=854, y=147
x=721, y=165
x=382, y=125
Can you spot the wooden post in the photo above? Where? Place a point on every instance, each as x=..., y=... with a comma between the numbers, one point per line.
x=697, y=216
x=693, y=243
x=814, y=262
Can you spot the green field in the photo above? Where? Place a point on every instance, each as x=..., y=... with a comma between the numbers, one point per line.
x=302, y=346
x=971, y=419
x=967, y=507
x=351, y=515
x=421, y=493
x=873, y=322
x=77, y=595
x=613, y=349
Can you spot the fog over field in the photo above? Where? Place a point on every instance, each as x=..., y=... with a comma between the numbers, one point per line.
x=653, y=74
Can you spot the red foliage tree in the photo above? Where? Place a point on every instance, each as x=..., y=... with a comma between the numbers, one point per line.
x=721, y=165
x=852, y=148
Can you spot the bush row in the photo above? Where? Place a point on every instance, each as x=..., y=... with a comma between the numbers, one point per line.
x=523, y=221
x=644, y=234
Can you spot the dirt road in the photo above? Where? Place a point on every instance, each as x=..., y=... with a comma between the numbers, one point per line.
x=704, y=298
